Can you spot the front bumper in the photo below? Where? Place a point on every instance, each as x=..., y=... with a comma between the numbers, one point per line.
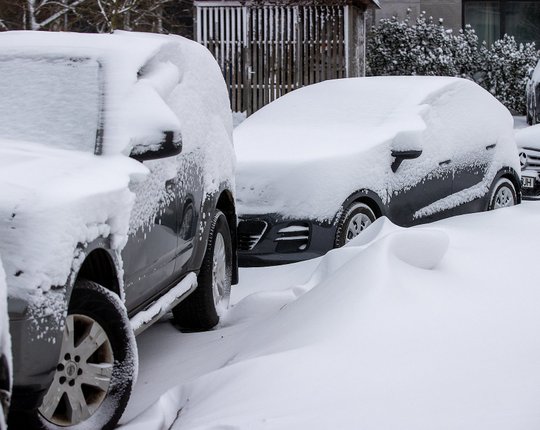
x=266, y=240
x=530, y=193
x=36, y=340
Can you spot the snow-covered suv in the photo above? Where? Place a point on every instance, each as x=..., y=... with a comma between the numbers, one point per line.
x=116, y=205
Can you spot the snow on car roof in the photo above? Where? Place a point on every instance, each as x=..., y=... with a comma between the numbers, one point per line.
x=139, y=71
x=349, y=114
x=130, y=49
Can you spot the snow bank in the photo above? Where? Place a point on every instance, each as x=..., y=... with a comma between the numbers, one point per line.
x=304, y=154
x=444, y=336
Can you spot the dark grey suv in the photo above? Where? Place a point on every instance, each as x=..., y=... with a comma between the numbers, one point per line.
x=116, y=206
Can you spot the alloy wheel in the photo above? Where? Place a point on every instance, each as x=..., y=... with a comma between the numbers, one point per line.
x=357, y=224
x=83, y=375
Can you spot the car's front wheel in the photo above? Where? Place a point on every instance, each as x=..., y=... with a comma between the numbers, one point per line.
x=353, y=221
x=203, y=309
x=503, y=195
x=96, y=369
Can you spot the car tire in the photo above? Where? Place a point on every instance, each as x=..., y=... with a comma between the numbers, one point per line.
x=355, y=219
x=203, y=309
x=503, y=194
x=97, y=365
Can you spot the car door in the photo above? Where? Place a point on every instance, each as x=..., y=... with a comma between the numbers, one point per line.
x=471, y=166
x=418, y=183
x=189, y=194
x=150, y=253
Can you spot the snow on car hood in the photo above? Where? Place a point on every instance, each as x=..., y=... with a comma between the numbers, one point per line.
x=51, y=201
x=528, y=137
x=304, y=154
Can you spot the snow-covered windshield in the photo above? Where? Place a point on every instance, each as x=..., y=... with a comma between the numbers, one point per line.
x=54, y=101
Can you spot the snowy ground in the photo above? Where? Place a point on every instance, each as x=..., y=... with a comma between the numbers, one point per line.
x=433, y=327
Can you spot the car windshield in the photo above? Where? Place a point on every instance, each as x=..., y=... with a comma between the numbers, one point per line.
x=53, y=101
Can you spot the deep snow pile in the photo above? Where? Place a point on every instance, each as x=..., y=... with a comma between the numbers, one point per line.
x=421, y=328
x=304, y=154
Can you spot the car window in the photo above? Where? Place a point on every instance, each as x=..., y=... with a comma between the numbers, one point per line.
x=53, y=101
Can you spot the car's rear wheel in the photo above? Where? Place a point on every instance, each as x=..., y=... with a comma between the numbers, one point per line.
x=96, y=369
x=203, y=309
x=503, y=195
x=353, y=221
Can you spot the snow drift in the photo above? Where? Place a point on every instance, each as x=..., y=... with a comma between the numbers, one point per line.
x=422, y=328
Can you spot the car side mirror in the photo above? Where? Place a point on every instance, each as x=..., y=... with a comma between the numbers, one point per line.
x=400, y=156
x=170, y=146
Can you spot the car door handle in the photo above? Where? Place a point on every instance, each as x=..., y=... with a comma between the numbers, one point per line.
x=491, y=146
x=445, y=163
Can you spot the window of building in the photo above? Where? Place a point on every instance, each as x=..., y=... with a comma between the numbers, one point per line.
x=493, y=18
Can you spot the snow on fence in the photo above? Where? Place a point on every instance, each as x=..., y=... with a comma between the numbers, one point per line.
x=265, y=51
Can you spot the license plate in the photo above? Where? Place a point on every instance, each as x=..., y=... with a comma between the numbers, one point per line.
x=527, y=182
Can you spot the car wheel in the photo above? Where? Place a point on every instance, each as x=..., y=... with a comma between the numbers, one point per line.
x=203, y=308
x=97, y=366
x=355, y=219
x=503, y=195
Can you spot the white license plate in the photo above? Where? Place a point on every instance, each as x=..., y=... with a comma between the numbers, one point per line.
x=527, y=182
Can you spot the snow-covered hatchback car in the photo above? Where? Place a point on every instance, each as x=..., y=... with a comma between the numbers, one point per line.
x=116, y=205
x=318, y=165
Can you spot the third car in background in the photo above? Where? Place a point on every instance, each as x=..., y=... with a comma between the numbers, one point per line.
x=528, y=142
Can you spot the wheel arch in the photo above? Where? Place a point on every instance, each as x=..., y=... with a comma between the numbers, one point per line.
x=365, y=196
x=101, y=266
x=505, y=173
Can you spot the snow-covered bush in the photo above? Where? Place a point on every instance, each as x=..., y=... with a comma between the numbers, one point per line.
x=505, y=70
x=422, y=46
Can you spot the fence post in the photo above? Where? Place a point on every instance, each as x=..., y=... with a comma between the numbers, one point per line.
x=355, y=41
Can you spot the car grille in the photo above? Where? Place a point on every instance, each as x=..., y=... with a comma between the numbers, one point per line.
x=529, y=159
x=250, y=233
x=293, y=238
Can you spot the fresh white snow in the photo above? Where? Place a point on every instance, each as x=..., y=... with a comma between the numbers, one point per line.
x=432, y=327
x=304, y=154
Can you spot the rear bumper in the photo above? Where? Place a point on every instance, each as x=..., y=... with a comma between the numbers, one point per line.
x=267, y=240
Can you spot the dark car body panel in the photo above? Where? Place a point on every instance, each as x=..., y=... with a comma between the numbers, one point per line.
x=322, y=234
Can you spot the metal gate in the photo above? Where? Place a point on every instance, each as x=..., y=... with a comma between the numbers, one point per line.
x=265, y=51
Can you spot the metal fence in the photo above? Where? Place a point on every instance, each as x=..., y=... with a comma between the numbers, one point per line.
x=265, y=51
